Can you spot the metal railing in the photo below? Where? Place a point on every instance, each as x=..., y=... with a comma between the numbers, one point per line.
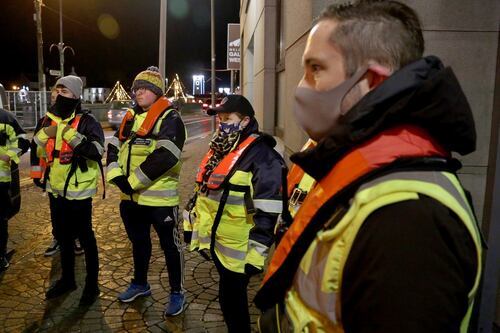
x=28, y=106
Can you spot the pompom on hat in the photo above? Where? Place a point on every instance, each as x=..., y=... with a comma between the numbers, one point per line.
x=150, y=79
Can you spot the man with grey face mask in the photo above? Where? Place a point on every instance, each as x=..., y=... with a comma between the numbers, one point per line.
x=387, y=240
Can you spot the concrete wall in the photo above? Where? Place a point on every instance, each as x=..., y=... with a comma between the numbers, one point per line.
x=258, y=24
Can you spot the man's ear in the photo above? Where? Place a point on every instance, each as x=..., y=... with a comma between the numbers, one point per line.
x=377, y=74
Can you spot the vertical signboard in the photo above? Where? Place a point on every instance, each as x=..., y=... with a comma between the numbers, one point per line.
x=233, y=46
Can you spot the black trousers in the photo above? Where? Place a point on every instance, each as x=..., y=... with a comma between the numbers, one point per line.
x=138, y=220
x=4, y=210
x=71, y=219
x=233, y=298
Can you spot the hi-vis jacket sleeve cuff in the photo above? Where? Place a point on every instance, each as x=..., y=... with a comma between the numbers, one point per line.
x=113, y=171
x=41, y=138
x=256, y=254
x=186, y=224
x=13, y=154
x=40, y=152
x=73, y=138
x=138, y=180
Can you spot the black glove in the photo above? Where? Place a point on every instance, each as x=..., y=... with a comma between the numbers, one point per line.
x=123, y=184
x=23, y=144
x=251, y=270
x=38, y=182
x=187, y=236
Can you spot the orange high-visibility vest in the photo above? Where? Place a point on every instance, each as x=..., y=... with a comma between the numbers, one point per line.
x=225, y=166
x=154, y=113
x=66, y=152
x=381, y=150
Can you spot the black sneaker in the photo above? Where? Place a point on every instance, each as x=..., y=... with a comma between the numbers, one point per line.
x=78, y=247
x=59, y=288
x=89, y=295
x=52, y=249
x=4, y=263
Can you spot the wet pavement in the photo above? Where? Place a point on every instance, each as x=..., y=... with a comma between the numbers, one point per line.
x=23, y=307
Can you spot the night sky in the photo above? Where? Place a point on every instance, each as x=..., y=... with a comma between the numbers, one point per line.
x=114, y=39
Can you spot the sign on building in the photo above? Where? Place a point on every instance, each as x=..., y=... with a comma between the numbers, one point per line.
x=198, y=84
x=233, y=46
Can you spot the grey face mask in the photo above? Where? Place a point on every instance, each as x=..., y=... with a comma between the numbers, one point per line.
x=318, y=113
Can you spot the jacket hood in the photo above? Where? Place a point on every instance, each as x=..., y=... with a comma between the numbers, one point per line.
x=423, y=93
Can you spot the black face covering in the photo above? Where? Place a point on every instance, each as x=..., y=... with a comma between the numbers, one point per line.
x=64, y=106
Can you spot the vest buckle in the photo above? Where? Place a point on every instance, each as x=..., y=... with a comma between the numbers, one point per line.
x=297, y=196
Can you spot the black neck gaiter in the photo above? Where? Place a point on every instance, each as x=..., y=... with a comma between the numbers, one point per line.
x=64, y=106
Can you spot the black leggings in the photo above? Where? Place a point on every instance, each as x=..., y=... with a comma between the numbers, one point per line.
x=138, y=220
x=233, y=298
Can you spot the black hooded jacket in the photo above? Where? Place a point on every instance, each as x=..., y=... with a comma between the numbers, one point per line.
x=266, y=166
x=412, y=263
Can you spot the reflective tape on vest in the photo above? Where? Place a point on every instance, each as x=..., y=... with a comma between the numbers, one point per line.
x=231, y=199
x=72, y=194
x=196, y=236
x=160, y=193
x=230, y=253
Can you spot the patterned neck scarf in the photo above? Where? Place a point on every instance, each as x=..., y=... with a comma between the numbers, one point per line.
x=221, y=144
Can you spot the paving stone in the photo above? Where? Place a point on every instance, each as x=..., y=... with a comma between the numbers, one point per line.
x=22, y=287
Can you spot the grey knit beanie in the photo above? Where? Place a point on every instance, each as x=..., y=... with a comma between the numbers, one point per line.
x=73, y=83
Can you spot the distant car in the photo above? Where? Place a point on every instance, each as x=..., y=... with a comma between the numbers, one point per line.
x=207, y=104
x=117, y=111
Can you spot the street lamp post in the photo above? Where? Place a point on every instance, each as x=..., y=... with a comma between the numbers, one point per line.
x=163, y=37
x=212, y=39
x=60, y=46
x=41, y=75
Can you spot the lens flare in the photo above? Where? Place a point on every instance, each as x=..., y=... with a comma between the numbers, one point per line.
x=108, y=26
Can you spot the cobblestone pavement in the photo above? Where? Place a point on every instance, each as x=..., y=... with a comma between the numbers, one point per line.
x=23, y=307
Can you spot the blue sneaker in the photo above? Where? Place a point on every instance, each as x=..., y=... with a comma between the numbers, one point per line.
x=134, y=291
x=176, y=305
